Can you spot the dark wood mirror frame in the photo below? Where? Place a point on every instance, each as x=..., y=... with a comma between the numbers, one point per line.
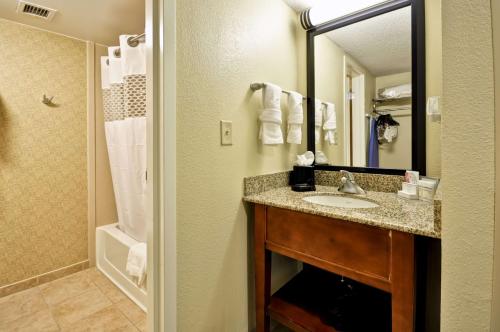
x=418, y=97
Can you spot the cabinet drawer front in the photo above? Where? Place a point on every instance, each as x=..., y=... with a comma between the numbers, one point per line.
x=353, y=246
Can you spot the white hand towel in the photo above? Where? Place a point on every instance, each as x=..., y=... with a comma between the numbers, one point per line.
x=136, y=262
x=305, y=159
x=330, y=125
x=318, y=119
x=270, y=127
x=295, y=118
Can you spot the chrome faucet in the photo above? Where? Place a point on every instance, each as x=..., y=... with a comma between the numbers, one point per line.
x=348, y=185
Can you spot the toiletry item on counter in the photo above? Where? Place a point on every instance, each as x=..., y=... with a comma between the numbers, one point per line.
x=427, y=188
x=412, y=177
x=306, y=159
x=435, y=181
x=409, y=191
x=302, y=178
x=406, y=195
x=410, y=186
x=321, y=158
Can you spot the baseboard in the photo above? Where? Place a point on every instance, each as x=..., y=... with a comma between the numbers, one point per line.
x=43, y=278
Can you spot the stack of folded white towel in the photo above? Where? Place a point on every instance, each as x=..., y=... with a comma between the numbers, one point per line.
x=270, y=127
x=270, y=132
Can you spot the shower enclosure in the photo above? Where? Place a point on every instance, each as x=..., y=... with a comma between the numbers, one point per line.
x=123, y=75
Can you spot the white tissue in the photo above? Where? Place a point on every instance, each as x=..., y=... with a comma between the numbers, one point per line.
x=306, y=159
x=321, y=158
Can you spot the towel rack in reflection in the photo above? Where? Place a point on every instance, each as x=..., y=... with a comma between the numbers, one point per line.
x=369, y=116
x=258, y=86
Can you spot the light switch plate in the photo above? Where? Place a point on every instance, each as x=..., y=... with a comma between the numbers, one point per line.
x=226, y=132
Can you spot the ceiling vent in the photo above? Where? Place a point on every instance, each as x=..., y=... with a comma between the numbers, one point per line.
x=31, y=9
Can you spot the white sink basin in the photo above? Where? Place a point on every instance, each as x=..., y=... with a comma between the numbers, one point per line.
x=340, y=201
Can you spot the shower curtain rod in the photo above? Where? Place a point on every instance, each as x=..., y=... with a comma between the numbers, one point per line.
x=132, y=41
x=135, y=40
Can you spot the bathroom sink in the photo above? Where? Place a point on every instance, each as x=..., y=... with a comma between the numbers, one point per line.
x=340, y=201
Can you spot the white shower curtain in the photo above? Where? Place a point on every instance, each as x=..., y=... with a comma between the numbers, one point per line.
x=124, y=99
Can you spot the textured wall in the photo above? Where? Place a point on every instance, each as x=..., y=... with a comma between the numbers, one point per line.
x=495, y=322
x=468, y=152
x=222, y=47
x=43, y=170
x=434, y=81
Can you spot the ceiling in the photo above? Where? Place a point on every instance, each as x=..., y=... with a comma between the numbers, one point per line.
x=381, y=44
x=101, y=21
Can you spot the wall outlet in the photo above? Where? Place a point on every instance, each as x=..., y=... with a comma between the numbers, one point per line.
x=226, y=132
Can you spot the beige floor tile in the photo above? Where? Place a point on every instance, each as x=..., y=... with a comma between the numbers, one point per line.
x=94, y=274
x=113, y=293
x=61, y=289
x=131, y=310
x=142, y=325
x=110, y=319
x=20, y=304
x=80, y=307
x=41, y=321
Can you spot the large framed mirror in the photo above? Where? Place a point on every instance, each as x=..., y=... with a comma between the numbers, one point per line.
x=366, y=88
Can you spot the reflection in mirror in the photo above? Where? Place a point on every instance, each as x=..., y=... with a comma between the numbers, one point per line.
x=363, y=85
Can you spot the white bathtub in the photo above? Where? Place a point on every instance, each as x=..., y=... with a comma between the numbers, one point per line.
x=112, y=246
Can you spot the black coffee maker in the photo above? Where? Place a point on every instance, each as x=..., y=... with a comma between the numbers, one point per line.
x=302, y=178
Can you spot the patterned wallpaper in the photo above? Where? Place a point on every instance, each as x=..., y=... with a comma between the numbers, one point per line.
x=43, y=170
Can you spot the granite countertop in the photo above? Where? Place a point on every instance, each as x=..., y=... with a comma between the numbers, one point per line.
x=410, y=216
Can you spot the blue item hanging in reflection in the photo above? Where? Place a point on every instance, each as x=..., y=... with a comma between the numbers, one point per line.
x=373, y=145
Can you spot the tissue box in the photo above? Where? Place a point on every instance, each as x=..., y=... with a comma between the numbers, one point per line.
x=302, y=178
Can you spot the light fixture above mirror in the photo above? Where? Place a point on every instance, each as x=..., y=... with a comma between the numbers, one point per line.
x=327, y=10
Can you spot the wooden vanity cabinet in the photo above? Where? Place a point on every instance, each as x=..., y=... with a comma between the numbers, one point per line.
x=382, y=258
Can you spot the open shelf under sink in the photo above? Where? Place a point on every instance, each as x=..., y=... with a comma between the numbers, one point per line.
x=316, y=300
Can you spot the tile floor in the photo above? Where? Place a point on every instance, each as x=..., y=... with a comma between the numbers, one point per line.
x=84, y=301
